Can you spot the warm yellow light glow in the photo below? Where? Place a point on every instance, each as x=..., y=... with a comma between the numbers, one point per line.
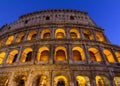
x=108, y=55
x=9, y=40
x=60, y=33
x=43, y=54
x=100, y=36
x=74, y=33
x=60, y=78
x=60, y=53
x=24, y=54
x=45, y=33
x=102, y=81
x=118, y=56
x=2, y=56
x=32, y=35
x=81, y=53
x=117, y=81
x=11, y=56
x=88, y=35
x=83, y=81
x=20, y=37
x=96, y=56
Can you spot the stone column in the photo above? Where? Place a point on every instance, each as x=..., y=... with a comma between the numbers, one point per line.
x=51, y=56
x=86, y=53
x=81, y=34
x=92, y=79
x=19, y=54
x=67, y=33
x=94, y=35
x=39, y=34
x=26, y=36
x=111, y=78
x=11, y=80
x=70, y=54
x=52, y=33
x=14, y=40
x=114, y=56
x=103, y=56
x=6, y=56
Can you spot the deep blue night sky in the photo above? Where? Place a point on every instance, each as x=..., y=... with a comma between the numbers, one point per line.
x=106, y=13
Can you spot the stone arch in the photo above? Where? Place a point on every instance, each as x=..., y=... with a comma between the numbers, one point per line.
x=32, y=35
x=60, y=33
x=12, y=57
x=40, y=80
x=108, y=55
x=102, y=80
x=9, y=40
x=74, y=33
x=87, y=35
x=2, y=56
x=45, y=34
x=26, y=55
x=94, y=54
x=78, y=54
x=20, y=80
x=82, y=80
x=100, y=37
x=60, y=80
x=117, y=53
x=60, y=53
x=117, y=80
x=20, y=37
x=43, y=54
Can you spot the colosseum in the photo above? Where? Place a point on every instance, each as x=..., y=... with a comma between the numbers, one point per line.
x=57, y=47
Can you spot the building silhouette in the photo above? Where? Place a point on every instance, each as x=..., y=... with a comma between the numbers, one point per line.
x=57, y=47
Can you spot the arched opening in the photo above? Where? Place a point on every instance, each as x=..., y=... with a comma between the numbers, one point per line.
x=117, y=80
x=20, y=37
x=26, y=55
x=100, y=37
x=60, y=54
x=43, y=54
x=82, y=81
x=20, y=80
x=45, y=34
x=60, y=81
x=71, y=17
x=108, y=56
x=60, y=33
x=118, y=56
x=9, y=40
x=74, y=33
x=2, y=56
x=78, y=54
x=4, y=81
x=12, y=57
x=94, y=55
x=102, y=81
x=40, y=80
x=32, y=35
x=88, y=35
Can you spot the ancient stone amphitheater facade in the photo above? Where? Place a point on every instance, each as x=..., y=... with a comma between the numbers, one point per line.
x=58, y=47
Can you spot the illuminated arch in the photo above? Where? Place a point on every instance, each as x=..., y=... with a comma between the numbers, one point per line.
x=108, y=55
x=102, y=81
x=12, y=57
x=82, y=81
x=94, y=55
x=26, y=55
x=43, y=54
x=2, y=56
x=40, y=80
x=117, y=80
x=20, y=80
x=20, y=37
x=78, y=54
x=60, y=54
x=60, y=81
x=100, y=36
x=32, y=35
x=74, y=33
x=2, y=42
x=9, y=40
x=88, y=35
x=60, y=33
x=45, y=33
x=118, y=56
x=4, y=81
